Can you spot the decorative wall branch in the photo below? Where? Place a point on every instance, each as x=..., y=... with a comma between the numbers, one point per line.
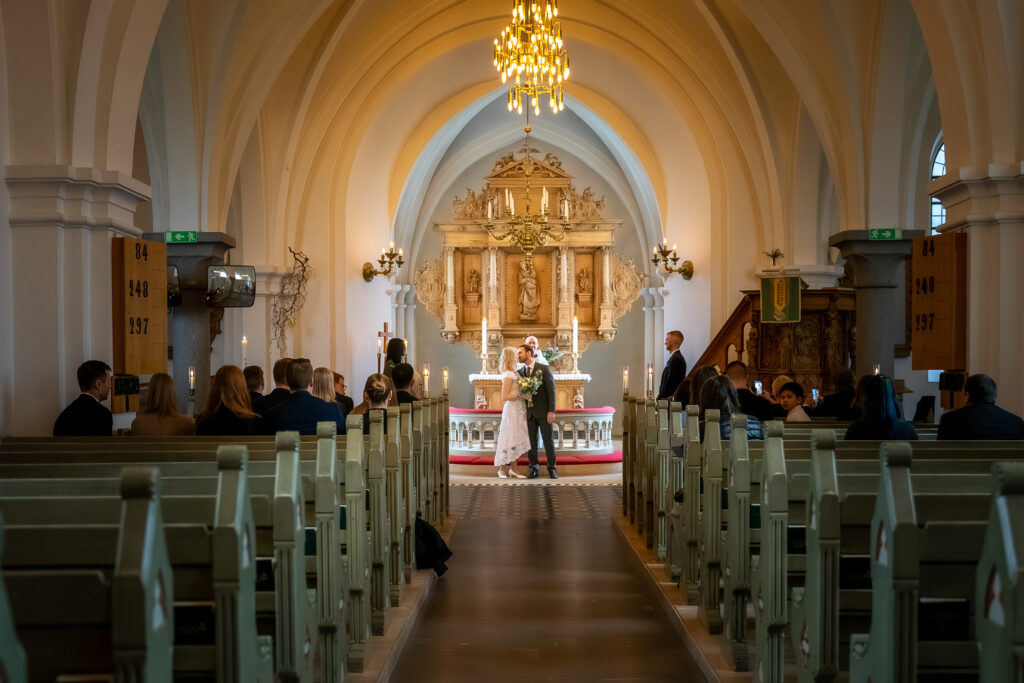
x=287, y=305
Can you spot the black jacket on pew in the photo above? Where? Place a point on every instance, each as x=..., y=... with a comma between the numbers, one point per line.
x=226, y=423
x=274, y=398
x=301, y=412
x=85, y=416
x=980, y=421
x=864, y=430
x=345, y=401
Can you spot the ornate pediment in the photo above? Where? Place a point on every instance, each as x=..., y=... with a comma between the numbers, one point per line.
x=510, y=168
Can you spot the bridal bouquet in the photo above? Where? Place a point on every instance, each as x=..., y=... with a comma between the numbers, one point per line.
x=528, y=386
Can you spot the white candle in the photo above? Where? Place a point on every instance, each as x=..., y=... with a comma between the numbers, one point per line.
x=488, y=210
x=245, y=355
x=483, y=337
x=191, y=377
x=575, y=335
x=380, y=345
x=512, y=205
x=650, y=378
x=426, y=378
x=444, y=378
x=625, y=380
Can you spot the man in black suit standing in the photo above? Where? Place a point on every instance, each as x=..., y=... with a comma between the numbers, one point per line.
x=981, y=418
x=675, y=369
x=302, y=410
x=402, y=376
x=281, y=391
x=541, y=414
x=86, y=416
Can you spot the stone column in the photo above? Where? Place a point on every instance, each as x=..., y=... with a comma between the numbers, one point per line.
x=62, y=220
x=875, y=264
x=189, y=324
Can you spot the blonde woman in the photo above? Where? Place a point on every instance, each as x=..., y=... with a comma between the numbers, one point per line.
x=162, y=417
x=513, y=437
x=323, y=384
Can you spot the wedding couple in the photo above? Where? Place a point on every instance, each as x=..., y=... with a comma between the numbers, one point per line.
x=533, y=384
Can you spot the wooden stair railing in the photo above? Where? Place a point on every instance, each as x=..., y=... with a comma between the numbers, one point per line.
x=731, y=334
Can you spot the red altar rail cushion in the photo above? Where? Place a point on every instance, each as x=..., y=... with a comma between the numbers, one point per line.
x=613, y=457
x=475, y=411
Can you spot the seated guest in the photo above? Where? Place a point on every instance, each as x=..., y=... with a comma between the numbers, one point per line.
x=228, y=409
x=403, y=376
x=778, y=412
x=86, y=416
x=281, y=391
x=879, y=415
x=393, y=355
x=981, y=418
x=162, y=417
x=339, y=394
x=688, y=392
x=750, y=403
x=302, y=410
x=377, y=392
x=254, y=382
x=840, y=404
x=719, y=394
x=791, y=398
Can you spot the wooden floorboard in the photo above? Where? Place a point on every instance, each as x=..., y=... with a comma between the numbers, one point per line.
x=542, y=586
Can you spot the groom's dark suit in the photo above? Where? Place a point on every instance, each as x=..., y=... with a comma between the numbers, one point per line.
x=537, y=417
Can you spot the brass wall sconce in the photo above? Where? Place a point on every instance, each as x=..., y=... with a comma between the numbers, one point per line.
x=665, y=260
x=389, y=261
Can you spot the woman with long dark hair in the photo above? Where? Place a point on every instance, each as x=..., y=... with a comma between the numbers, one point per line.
x=879, y=412
x=393, y=355
x=228, y=409
x=718, y=393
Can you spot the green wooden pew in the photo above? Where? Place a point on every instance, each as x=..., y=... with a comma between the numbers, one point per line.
x=710, y=559
x=100, y=595
x=999, y=590
x=12, y=655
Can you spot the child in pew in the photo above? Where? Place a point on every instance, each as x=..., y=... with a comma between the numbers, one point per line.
x=228, y=409
x=718, y=393
x=791, y=398
x=161, y=417
x=879, y=414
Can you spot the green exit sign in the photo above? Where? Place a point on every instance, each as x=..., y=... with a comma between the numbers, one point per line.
x=183, y=237
x=885, y=234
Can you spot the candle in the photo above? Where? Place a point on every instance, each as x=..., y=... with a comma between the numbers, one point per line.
x=625, y=379
x=426, y=378
x=191, y=377
x=245, y=356
x=483, y=337
x=650, y=378
x=512, y=204
x=575, y=335
x=444, y=378
x=380, y=345
x=878, y=369
x=405, y=349
x=488, y=210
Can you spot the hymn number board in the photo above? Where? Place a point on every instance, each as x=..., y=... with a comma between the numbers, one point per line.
x=140, y=306
x=938, y=320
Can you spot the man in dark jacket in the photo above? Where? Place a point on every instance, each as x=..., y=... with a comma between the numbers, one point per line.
x=981, y=418
x=281, y=391
x=254, y=382
x=840, y=404
x=302, y=410
x=675, y=369
x=541, y=414
x=402, y=376
x=86, y=416
x=750, y=403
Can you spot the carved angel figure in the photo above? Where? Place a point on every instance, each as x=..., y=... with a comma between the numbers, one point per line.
x=466, y=207
x=473, y=287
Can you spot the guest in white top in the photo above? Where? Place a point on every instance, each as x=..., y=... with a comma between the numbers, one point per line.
x=791, y=398
x=538, y=357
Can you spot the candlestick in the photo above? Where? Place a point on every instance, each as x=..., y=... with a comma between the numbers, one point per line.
x=650, y=380
x=192, y=379
x=575, y=335
x=426, y=379
x=625, y=380
x=575, y=363
x=444, y=379
x=380, y=345
x=245, y=355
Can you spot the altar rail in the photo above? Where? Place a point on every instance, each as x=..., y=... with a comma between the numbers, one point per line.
x=587, y=431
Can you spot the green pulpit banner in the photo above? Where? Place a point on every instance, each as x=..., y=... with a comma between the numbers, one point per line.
x=780, y=300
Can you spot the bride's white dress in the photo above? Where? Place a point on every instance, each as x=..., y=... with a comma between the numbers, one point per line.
x=513, y=437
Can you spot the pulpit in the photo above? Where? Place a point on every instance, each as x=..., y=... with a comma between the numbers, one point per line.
x=568, y=391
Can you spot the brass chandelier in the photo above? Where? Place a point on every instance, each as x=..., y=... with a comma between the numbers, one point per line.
x=528, y=231
x=530, y=57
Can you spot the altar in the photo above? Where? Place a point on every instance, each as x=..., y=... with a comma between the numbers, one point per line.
x=568, y=391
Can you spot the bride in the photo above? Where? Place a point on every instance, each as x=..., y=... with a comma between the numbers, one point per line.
x=513, y=438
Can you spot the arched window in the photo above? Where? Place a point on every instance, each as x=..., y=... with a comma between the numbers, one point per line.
x=938, y=169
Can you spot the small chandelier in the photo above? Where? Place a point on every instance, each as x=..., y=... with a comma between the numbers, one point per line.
x=528, y=231
x=530, y=57
x=665, y=261
x=389, y=262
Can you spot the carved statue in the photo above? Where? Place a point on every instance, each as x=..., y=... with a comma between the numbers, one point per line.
x=474, y=282
x=577, y=399
x=480, y=402
x=583, y=281
x=529, y=296
x=551, y=160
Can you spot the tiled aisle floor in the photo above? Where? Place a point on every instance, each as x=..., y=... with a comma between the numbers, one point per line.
x=542, y=587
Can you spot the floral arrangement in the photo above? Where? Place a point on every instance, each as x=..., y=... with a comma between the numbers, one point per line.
x=552, y=354
x=530, y=385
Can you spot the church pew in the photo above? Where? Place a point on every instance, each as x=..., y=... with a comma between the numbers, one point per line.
x=357, y=542
x=675, y=543
x=662, y=479
x=97, y=594
x=736, y=550
x=379, y=524
x=691, y=505
x=711, y=525
x=12, y=655
x=396, y=503
x=409, y=491
x=923, y=558
x=999, y=591
x=628, y=504
x=650, y=472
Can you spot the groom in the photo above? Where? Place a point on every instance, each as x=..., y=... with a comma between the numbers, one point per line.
x=541, y=414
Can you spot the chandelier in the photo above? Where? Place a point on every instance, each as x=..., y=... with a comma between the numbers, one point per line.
x=530, y=57
x=528, y=231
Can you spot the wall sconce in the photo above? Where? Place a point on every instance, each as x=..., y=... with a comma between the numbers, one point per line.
x=665, y=260
x=389, y=262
